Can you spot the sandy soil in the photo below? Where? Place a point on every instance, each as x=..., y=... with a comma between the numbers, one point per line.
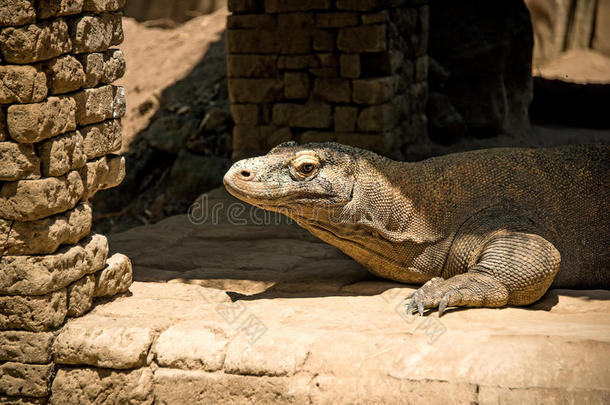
x=156, y=59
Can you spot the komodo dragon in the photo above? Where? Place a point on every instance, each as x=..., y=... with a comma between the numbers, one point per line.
x=484, y=228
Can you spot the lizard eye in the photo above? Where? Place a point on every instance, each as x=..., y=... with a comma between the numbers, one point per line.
x=305, y=166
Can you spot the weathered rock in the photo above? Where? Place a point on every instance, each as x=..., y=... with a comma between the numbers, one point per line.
x=310, y=115
x=378, y=117
x=350, y=65
x=98, y=6
x=60, y=154
x=3, y=128
x=104, y=172
x=93, y=341
x=200, y=387
x=35, y=42
x=21, y=84
x=32, y=380
x=102, y=386
x=26, y=347
x=333, y=90
x=296, y=84
x=174, y=348
x=114, y=66
x=270, y=354
x=22, y=400
x=99, y=104
x=366, y=38
x=255, y=90
x=245, y=114
x=41, y=274
x=17, y=12
x=115, y=278
x=28, y=123
x=287, y=6
x=52, y=8
x=96, y=33
x=44, y=236
x=64, y=74
x=345, y=118
x=374, y=91
x=80, y=296
x=101, y=139
x=336, y=20
x=170, y=133
x=18, y=161
x=34, y=313
x=252, y=66
x=28, y=200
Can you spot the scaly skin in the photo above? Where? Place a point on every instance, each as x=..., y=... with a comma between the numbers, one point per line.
x=485, y=228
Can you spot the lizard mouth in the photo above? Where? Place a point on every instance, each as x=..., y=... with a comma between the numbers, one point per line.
x=251, y=195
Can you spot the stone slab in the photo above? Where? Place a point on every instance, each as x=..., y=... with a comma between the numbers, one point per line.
x=29, y=200
x=35, y=42
x=22, y=84
x=115, y=278
x=104, y=342
x=29, y=123
x=26, y=347
x=18, y=161
x=60, y=154
x=32, y=380
x=133, y=387
x=41, y=274
x=34, y=313
x=191, y=345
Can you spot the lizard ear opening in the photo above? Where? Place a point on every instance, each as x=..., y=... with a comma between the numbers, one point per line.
x=284, y=145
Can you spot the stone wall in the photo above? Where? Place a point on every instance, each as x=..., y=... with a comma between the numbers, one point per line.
x=59, y=124
x=320, y=70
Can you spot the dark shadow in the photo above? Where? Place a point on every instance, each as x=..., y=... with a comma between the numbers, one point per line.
x=178, y=156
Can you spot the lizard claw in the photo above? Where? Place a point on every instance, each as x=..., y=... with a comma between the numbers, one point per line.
x=443, y=304
x=410, y=307
x=420, y=308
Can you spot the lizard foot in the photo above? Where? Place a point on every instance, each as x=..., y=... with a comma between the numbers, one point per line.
x=464, y=290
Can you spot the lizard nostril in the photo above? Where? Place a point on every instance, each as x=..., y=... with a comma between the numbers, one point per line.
x=246, y=174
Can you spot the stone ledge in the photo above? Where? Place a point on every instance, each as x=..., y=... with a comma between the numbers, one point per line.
x=104, y=342
x=102, y=386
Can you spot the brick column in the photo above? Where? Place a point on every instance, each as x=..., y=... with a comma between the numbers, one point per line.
x=59, y=124
x=352, y=71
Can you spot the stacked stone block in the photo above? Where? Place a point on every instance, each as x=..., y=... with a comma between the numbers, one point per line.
x=352, y=71
x=59, y=131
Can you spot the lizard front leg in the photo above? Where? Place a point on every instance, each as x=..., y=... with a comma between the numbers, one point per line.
x=513, y=268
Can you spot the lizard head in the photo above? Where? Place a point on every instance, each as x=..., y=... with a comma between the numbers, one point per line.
x=293, y=176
